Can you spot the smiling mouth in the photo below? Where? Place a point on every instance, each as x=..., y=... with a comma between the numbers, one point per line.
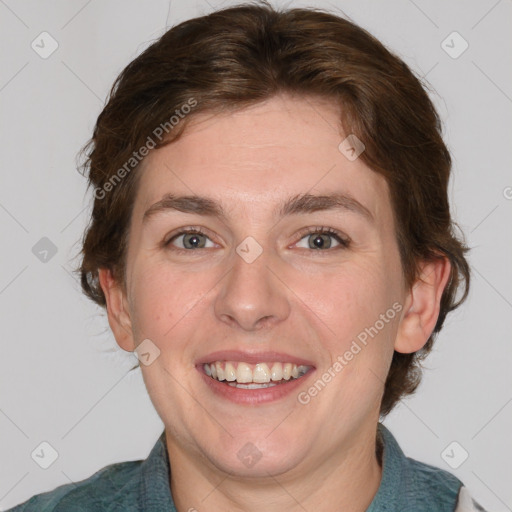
x=261, y=375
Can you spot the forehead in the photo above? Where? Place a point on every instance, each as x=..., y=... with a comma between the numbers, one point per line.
x=260, y=156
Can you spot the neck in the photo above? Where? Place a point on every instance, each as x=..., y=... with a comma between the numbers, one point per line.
x=347, y=480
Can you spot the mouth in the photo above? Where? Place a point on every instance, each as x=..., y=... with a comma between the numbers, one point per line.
x=252, y=379
x=243, y=375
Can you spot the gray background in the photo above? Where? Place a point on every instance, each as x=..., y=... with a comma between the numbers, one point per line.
x=63, y=379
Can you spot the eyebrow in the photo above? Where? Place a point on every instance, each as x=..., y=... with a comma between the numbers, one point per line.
x=296, y=205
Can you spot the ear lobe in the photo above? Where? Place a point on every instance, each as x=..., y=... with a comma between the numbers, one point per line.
x=422, y=306
x=117, y=310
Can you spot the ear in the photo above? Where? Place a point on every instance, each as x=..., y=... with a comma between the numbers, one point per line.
x=422, y=305
x=117, y=310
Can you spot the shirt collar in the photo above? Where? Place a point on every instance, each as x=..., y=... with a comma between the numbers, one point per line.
x=387, y=497
x=155, y=492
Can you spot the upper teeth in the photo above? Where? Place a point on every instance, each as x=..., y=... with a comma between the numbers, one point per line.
x=259, y=373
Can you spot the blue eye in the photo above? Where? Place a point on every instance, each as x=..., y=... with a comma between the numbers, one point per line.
x=195, y=238
x=191, y=239
x=321, y=238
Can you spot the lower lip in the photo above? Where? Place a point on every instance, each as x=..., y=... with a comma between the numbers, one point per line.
x=254, y=396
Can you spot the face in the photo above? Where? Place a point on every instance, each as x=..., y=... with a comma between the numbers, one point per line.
x=269, y=283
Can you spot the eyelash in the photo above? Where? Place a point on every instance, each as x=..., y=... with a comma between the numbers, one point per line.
x=343, y=240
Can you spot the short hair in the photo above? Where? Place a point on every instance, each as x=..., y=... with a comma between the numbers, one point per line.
x=239, y=56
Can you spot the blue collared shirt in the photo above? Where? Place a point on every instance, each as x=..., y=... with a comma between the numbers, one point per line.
x=407, y=485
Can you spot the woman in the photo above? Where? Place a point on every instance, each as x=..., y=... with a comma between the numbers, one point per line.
x=271, y=235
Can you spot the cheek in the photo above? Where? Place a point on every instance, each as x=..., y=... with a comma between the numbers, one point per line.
x=162, y=300
x=348, y=304
x=356, y=292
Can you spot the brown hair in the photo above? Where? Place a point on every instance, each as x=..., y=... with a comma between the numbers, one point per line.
x=239, y=56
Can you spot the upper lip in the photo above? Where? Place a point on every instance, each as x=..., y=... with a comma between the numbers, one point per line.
x=253, y=357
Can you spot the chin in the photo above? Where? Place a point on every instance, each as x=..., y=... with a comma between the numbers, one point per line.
x=259, y=458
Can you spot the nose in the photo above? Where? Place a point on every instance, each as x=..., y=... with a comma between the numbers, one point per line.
x=252, y=295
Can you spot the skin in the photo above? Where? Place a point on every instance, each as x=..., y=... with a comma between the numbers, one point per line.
x=305, y=302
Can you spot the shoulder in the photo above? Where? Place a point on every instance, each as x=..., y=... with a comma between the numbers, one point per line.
x=432, y=477
x=439, y=489
x=408, y=484
x=102, y=489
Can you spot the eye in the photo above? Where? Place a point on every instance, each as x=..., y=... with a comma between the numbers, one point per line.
x=192, y=238
x=195, y=238
x=321, y=240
